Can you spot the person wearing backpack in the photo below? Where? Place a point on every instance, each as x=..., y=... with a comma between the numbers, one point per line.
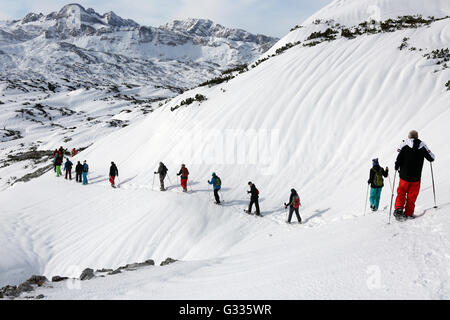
x=254, y=199
x=162, y=171
x=113, y=173
x=217, y=184
x=376, y=181
x=294, y=205
x=184, y=173
x=58, y=163
x=68, y=168
x=78, y=171
x=85, y=172
x=55, y=156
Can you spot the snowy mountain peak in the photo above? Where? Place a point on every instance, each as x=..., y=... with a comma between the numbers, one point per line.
x=32, y=17
x=207, y=28
x=75, y=16
x=114, y=20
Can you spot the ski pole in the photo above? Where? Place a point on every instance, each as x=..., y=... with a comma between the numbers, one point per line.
x=392, y=197
x=169, y=179
x=365, y=202
x=153, y=184
x=434, y=189
x=390, y=182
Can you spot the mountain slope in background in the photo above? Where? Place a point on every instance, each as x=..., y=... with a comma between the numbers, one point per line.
x=85, y=46
x=70, y=76
x=311, y=117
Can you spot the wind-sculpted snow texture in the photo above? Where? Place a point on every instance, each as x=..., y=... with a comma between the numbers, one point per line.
x=311, y=118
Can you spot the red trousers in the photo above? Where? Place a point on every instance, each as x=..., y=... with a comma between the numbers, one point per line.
x=111, y=179
x=407, y=192
x=184, y=183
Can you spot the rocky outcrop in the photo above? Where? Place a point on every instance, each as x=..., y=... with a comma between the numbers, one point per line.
x=59, y=279
x=35, y=281
x=27, y=286
x=168, y=261
x=87, y=274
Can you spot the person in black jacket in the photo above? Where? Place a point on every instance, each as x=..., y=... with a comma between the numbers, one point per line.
x=410, y=159
x=78, y=171
x=162, y=171
x=113, y=173
x=254, y=199
x=294, y=205
x=376, y=182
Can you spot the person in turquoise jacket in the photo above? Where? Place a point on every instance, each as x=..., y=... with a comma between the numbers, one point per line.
x=376, y=181
x=217, y=184
x=85, y=172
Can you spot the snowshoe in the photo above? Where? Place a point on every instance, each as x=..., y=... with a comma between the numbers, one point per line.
x=247, y=212
x=399, y=215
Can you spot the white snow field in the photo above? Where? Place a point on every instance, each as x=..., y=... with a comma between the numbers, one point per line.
x=311, y=118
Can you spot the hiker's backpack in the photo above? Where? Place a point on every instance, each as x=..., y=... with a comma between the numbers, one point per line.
x=296, y=201
x=378, y=178
x=218, y=182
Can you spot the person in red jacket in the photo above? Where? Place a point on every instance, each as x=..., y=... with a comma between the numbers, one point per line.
x=184, y=173
x=410, y=159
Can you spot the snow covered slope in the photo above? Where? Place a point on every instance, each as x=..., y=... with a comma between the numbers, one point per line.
x=311, y=118
x=352, y=12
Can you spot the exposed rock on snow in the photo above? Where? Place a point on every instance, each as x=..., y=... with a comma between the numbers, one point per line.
x=26, y=286
x=168, y=261
x=59, y=279
x=87, y=274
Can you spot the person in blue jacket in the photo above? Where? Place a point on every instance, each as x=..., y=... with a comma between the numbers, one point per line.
x=216, y=183
x=68, y=168
x=85, y=172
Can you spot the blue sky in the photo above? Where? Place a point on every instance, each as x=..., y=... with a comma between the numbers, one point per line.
x=270, y=17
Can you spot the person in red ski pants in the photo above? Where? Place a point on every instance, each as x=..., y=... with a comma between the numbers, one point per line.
x=407, y=193
x=184, y=173
x=410, y=159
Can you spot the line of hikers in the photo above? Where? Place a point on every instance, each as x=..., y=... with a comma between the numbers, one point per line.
x=216, y=182
x=409, y=163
